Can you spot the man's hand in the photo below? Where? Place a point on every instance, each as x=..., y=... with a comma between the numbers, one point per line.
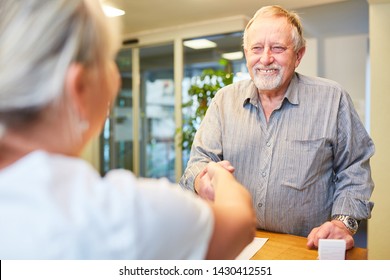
x=330, y=230
x=203, y=184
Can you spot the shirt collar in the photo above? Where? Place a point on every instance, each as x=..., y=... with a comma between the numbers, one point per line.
x=292, y=91
x=252, y=97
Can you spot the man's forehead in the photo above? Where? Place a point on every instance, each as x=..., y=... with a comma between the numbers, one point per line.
x=268, y=28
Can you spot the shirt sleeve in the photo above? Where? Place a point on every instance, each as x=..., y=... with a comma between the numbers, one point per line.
x=167, y=222
x=206, y=147
x=354, y=149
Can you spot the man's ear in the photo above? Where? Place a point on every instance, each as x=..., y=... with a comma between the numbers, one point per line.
x=300, y=54
x=76, y=87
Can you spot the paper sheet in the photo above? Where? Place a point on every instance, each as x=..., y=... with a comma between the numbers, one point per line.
x=252, y=248
x=331, y=249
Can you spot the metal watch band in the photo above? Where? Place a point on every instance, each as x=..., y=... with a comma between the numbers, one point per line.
x=350, y=223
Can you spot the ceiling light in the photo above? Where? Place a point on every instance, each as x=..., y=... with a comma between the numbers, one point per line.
x=112, y=12
x=233, y=55
x=200, y=44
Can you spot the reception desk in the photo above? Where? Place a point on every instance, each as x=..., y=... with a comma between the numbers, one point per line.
x=290, y=247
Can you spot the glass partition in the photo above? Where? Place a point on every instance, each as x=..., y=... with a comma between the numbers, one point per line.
x=116, y=148
x=157, y=102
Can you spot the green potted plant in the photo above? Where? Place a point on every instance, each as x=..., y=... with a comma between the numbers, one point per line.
x=201, y=92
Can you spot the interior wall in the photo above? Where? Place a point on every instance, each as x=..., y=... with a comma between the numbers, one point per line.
x=309, y=62
x=346, y=59
x=379, y=225
x=342, y=59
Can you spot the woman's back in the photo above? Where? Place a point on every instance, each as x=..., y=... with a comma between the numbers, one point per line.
x=57, y=207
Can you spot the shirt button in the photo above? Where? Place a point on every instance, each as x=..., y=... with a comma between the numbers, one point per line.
x=260, y=204
x=263, y=174
x=268, y=144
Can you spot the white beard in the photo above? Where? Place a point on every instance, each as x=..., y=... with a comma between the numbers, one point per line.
x=264, y=82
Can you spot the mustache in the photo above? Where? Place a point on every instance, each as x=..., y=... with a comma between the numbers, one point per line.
x=268, y=67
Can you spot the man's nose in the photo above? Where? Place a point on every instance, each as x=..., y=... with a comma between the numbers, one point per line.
x=266, y=57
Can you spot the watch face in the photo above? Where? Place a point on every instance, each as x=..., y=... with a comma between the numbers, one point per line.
x=352, y=223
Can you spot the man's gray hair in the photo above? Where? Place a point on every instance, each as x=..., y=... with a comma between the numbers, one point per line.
x=277, y=11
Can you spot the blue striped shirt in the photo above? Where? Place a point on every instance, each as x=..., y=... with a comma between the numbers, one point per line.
x=309, y=162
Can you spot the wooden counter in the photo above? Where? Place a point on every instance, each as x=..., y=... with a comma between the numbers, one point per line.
x=290, y=247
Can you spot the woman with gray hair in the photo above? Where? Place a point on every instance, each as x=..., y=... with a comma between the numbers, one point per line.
x=57, y=81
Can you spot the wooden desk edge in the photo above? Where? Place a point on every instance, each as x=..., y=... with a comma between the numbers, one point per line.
x=281, y=246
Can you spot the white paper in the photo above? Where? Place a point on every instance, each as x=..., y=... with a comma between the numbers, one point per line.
x=331, y=249
x=251, y=248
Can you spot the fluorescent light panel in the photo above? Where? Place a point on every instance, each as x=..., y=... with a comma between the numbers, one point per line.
x=233, y=55
x=112, y=12
x=200, y=44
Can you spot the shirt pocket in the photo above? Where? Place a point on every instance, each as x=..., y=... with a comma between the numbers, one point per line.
x=307, y=162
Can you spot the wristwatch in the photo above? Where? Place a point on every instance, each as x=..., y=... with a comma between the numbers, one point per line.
x=351, y=223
